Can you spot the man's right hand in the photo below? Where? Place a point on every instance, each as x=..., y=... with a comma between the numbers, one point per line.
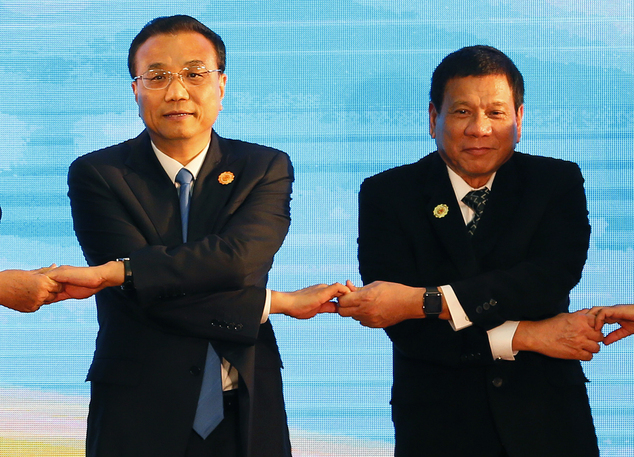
x=308, y=302
x=565, y=336
x=83, y=282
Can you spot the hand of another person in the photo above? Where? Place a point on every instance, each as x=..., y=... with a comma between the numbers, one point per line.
x=83, y=282
x=27, y=291
x=565, y=336
x=617, y=314
x=308, y=302
x=381, y=304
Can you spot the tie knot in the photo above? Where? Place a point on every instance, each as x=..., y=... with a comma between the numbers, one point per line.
x=184, y=177
x=476, y=199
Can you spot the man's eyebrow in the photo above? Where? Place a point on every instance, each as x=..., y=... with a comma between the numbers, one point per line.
x=189, y=63
x=194, y=62
x=460, y=103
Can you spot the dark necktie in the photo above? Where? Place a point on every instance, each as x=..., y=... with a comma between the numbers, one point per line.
x=210, y=409
x=476, y=199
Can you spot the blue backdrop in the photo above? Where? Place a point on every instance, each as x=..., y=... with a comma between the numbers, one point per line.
x=342, y=86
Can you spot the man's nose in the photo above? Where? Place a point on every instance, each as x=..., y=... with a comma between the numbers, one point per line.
x=176, y=89
x=479, y=125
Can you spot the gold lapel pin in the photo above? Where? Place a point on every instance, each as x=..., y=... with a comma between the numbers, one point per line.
x=226, y=177
x=441, y=210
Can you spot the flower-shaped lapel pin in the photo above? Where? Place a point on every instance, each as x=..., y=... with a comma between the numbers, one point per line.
x=441, y=211
x=226, y=177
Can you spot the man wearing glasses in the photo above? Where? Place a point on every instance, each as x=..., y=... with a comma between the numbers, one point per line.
x=187, y=222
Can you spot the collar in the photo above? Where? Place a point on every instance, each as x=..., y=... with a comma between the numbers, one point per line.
x=172, y=167
x=461, y=188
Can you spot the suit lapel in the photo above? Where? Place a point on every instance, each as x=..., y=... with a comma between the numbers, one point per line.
x=154, y=191
x=500, y=210
x=450, y=228
x=211, y=196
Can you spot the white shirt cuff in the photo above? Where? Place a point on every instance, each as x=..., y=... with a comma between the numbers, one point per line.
x=267, y=307
x=459, y=318
x=501, y=341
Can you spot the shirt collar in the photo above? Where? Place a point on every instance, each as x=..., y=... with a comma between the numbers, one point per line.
x=461, y=188
x=172, y=166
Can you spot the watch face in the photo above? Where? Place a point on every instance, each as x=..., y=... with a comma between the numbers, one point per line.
x=433, y=303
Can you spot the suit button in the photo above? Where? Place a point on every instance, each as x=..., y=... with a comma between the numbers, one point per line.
x=214, y=323
x=479, y=310
x=497, y=382
x=493, y=302
x=486, y=306
x=195, y=371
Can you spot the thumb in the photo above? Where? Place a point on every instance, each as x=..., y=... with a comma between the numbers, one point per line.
x=351, y=286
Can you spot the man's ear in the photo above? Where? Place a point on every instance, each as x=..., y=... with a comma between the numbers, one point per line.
x=135, y=89
x=433, y=115
x=520, y=117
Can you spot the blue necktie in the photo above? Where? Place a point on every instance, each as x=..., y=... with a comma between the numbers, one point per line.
x=185, y=178
x=210, y=409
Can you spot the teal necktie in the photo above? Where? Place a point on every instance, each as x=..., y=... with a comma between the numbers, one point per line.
x=476, y=199
x=210, y=409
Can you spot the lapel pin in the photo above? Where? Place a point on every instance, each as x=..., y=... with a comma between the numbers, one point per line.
x=226, y=177
x=441, y=211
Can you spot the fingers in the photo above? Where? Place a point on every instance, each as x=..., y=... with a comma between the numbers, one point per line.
x=44, y=270
x=338, y=289
x=329, y=307
x=351, y=286
x=615, y=336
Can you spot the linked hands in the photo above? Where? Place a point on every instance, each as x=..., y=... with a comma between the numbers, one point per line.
x=83, y=282
x=564, y=336
x=381, y=304
x=567, y=336
x=308, y=302
x=617, y=314
x=26, y=291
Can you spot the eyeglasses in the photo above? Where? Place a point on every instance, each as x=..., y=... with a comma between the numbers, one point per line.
x=190, y=76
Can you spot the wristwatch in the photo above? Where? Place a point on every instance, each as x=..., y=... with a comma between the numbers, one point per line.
x=127, y=268
x=432, y=302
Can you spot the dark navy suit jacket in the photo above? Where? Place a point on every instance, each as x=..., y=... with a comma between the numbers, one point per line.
x=151, y=346
x=450, y=398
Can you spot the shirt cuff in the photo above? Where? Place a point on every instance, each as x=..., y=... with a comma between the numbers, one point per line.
x=267, y=307
x=459, y=318
x=501, y=340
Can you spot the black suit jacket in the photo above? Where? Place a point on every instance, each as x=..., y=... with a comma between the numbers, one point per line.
x=150, y=350
x=524, y=258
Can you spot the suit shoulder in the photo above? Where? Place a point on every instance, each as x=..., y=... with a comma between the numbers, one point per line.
x=252, y=149
x=541, y=164
x=114, y=154
x=400, y=176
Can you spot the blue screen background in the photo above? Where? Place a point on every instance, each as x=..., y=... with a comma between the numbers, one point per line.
x=342, y=87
